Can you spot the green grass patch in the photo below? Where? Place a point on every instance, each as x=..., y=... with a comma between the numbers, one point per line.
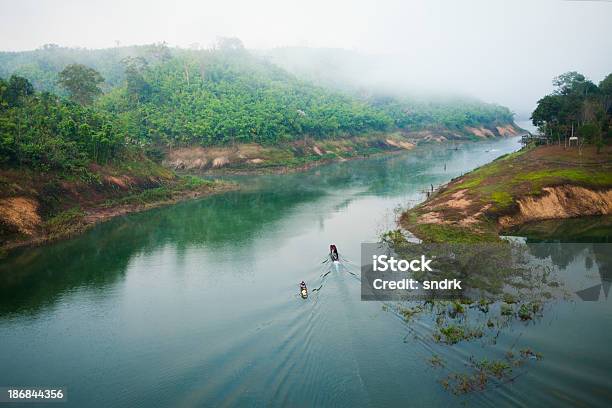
x=64, y=221
x=162, y=193
x=496, y=368
x=142, y=168
x=528, y=311
x=502, y=198
x=506, y=310
x=453, y=334
x=408, y=312
x=193, y=182
x=471, y=182
x=446, y=233
x=581, y=176
x=148, y=196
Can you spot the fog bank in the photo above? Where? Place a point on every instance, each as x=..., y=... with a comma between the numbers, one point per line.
x=504, y=51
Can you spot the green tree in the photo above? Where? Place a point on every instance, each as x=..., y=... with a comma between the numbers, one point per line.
x=576, y=105
x=81, y=82
x=605, y=89
x=138, y=89
x=574, y=83
x=17, y=90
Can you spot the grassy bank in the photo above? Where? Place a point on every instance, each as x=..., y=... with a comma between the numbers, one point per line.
x=533, y=184
x=38, y=207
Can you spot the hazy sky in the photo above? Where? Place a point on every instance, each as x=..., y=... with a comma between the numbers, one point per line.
x=505, y=51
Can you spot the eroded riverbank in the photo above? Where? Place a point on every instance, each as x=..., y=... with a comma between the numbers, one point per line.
x=38, y=208
x=253, y=158
x=534, y=184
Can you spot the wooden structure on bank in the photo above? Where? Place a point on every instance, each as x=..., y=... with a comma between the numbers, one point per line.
x=537, y=139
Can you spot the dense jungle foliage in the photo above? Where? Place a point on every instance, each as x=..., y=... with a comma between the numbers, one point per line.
x=577, y=107
x=44, y=131
x=62, y=107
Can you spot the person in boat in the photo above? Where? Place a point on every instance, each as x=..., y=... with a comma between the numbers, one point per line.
x=303, y=290
x=333, y=252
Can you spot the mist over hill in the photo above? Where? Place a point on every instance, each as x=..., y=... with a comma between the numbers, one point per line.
x=356, y=71
x=336, y=68
x=159, y=96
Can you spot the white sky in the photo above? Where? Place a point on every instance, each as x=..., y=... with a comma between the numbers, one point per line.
x=505, y=51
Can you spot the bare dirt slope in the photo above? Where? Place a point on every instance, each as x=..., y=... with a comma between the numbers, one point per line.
x=310, y=151
x=37, y=207
x=547, y=182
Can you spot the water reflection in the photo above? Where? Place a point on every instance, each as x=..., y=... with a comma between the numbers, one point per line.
x=572, y=239
x=583, y=229
x=35, y=278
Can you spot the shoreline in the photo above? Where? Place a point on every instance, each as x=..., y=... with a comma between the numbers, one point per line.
x=101, y=213
x=513, y=191
x=73, y=223
x=288, y=169
x=290, y=157
x=91, y=217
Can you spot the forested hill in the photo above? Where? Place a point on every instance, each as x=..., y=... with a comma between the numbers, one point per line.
x=41, y=66
x=129, y=98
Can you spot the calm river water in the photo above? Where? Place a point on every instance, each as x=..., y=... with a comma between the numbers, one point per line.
x=196, y=304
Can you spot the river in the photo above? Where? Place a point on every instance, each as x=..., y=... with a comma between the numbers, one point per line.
x=196, y=304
